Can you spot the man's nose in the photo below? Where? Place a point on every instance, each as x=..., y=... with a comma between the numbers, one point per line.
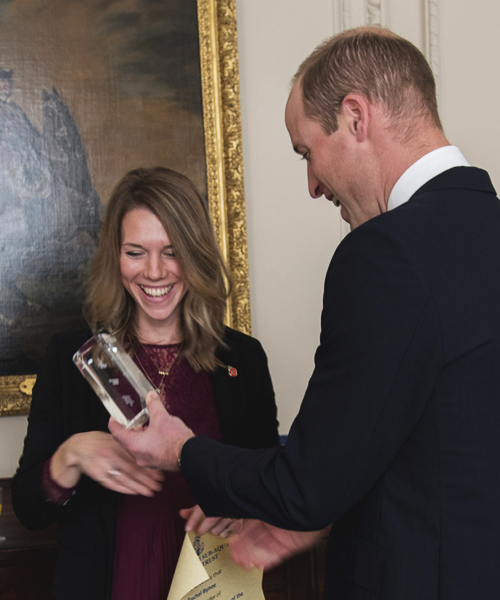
x=313, y=184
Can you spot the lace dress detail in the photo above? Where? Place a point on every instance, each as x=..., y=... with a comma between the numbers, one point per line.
x=150, y=532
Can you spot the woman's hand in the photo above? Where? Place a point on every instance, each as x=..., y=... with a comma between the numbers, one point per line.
x=99, y=456
x=197, y=522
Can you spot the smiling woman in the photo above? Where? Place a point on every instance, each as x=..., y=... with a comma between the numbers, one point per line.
x=159, y=284
x=152, y=276
x=158, y=275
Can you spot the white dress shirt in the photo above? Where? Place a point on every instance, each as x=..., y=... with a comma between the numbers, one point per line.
x=424, y=170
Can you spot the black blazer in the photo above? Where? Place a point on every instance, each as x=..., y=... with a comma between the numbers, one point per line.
x=64, y=404
x=396, y=442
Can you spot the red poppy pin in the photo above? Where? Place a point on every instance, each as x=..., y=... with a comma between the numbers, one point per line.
x=232, y=371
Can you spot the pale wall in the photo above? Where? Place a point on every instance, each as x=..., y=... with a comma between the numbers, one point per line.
x=291, y=237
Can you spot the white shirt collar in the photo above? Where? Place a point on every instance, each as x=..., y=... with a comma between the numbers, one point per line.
x=424, y=170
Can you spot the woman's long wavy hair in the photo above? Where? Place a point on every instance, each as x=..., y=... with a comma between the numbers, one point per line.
x=172, y=198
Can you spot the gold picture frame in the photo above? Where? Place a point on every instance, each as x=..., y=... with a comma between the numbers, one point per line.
x=224, y=165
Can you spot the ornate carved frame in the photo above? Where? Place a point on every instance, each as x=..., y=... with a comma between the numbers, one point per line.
x=221, y=112
x=222, y=126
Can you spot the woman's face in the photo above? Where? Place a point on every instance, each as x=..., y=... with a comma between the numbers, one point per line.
x=152, y=276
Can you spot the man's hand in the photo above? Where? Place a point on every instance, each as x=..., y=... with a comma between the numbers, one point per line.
x=257, y=544
x=159, y=443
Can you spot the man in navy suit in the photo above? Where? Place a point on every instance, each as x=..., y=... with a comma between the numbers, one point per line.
x=396, y=443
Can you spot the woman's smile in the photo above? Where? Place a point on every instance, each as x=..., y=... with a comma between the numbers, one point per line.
x=151, y=274
x=156, y=292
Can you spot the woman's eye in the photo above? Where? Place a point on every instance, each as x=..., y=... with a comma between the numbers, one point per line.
x=132, y=253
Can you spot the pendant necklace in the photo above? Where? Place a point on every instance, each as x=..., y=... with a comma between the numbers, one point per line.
x=163, y=372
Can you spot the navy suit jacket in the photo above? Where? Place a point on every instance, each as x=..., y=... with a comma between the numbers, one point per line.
x=396, y=442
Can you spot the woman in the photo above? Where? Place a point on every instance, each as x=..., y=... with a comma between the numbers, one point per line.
x=158, y=282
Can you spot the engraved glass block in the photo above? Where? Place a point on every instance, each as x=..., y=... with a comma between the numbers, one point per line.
x=115, y=378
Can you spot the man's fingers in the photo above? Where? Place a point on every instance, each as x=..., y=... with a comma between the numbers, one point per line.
x=115, y=428
x=196, y=521
x=237, y=526
x=126, y=437
x=224, y=528
x=158, y=444
x=154, y=403
x=213, y=524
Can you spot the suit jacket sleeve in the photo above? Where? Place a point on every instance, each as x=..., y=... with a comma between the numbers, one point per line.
x=377, y=361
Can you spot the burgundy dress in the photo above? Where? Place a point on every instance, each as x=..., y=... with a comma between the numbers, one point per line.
x=150, y=532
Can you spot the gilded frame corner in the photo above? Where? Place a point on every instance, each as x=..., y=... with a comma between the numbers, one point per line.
x=224, y=161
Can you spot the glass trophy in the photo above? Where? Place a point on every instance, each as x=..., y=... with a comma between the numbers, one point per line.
x=115, y=378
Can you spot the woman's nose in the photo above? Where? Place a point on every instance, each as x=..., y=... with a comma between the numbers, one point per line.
x=155, y=267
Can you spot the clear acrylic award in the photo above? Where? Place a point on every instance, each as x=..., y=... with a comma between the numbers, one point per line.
x=115, y=378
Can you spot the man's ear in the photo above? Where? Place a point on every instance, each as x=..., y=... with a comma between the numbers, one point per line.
x=357, y=114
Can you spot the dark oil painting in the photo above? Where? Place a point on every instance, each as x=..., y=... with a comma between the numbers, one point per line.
x=88, y=90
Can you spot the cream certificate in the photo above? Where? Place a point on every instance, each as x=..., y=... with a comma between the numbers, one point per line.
x=205, y=571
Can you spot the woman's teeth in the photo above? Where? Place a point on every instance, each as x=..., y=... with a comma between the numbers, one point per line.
x=156, y=292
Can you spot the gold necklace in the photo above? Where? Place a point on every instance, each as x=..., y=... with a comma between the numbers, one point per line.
x=161, y=372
